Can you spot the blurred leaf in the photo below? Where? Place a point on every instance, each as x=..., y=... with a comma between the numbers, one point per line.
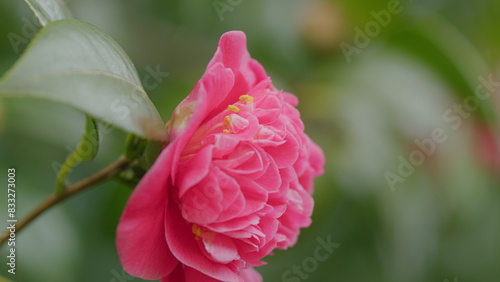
x=450, y=54
x=151, y=153
x=144, y=153
x=3, y=279
x=76, y=64
x=85, y=151
x=49, y=10
x=134, y=146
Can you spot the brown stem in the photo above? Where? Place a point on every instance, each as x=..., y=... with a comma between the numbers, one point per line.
x=100, y=176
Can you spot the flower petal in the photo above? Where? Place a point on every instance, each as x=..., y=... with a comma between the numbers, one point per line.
x=233, y=53
x=199, y=166
x=221, y=248
x=208, y=93
x=185, y=248
x=141, y=244
x=187, y=117
x=192, y=275
x=250, y=275
x=176, y=276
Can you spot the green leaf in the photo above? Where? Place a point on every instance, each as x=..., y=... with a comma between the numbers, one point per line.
x=49, y=10
x=74, y=63
x=85, y=151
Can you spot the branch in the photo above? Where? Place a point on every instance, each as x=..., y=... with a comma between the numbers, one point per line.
x=100, y=176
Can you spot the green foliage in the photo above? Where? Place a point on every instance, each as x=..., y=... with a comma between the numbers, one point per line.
x=76, y=64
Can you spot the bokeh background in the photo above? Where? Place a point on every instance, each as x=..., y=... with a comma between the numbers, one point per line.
x=365, y=107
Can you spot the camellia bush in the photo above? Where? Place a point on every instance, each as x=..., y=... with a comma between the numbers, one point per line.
x=220, y=186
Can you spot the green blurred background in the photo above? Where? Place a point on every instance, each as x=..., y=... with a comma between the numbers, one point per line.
x=365, y=110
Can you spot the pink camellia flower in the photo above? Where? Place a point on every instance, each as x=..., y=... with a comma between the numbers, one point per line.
x=233, y=183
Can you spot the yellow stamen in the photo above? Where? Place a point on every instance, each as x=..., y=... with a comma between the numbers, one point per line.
x=246, y=98
x=233, y=108
x=227, y=122
x=226, y=131
x=197, y=231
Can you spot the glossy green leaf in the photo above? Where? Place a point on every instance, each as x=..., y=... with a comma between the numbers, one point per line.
x=49, y=10
x=85, y=151
x=74, y=63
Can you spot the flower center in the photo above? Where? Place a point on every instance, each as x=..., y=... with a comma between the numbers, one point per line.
x=197, y=231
